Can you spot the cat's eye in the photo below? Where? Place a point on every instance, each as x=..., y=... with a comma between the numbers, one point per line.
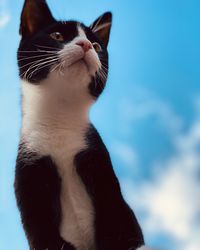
x=57, y=36
x=97, y=47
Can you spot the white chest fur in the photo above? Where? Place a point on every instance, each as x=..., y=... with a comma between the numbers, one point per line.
x=60, y=133
x=77, y=210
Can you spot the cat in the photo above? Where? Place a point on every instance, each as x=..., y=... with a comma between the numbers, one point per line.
x=66, y=190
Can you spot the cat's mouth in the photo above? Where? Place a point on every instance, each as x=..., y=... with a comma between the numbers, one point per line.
x=84, y=57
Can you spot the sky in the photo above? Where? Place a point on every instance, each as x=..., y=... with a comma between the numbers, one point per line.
x=148, y=115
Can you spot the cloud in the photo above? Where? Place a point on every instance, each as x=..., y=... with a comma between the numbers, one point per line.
x=4, y=14
x=170, y=201
x=125, y=153
x=146, y=104
x=4, y=19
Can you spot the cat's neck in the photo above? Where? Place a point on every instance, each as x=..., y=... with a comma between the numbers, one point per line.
x=46, y=112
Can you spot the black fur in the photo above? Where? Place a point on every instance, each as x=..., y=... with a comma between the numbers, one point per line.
x=32, y=49
x=115, y=224
x=37, y=188
x=35, y=16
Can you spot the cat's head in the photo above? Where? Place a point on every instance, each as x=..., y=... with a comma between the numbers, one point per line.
x=68, y=55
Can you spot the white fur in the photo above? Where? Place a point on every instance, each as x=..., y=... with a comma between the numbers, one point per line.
x=55, y=120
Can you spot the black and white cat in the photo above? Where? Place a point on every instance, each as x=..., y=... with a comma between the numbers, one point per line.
x=66, y=189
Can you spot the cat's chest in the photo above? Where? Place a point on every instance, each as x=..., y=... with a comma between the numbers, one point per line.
x=77, y=213
x=77, y=222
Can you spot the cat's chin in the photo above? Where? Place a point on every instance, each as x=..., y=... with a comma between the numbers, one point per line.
x=79, y=66
x=83, y=65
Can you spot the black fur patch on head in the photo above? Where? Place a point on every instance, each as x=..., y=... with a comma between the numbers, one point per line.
x=34, y=51
x=102, y=26
x=35, y=16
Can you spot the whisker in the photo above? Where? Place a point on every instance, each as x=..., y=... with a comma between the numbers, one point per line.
x=46, y=47
x=54, y=68
x=105, y=65
x=61, y=67
x=37, y=61
x=38, y=51
x=23, y=58
x=102, y=58
x=36, y=65
x=104, y=68
x=100, y=83
x=41, y=66
x=102, y=75
x=37, y=69
x=50, y=51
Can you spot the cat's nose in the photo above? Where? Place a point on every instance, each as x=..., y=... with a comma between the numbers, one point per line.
x=85, y=44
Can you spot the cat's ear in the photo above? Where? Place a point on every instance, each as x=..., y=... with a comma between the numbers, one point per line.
x=102, y=27
x=35, y=15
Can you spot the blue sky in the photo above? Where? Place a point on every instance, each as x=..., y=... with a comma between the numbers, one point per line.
x=148, y=116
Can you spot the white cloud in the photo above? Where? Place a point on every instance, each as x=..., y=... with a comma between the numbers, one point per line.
x=4, y=19
x=171, y=201
x=145, y=104
x=4, y=14
x=125, y=152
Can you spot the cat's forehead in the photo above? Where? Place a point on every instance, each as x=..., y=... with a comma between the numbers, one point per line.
x=68, y=27
x=71, y=29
